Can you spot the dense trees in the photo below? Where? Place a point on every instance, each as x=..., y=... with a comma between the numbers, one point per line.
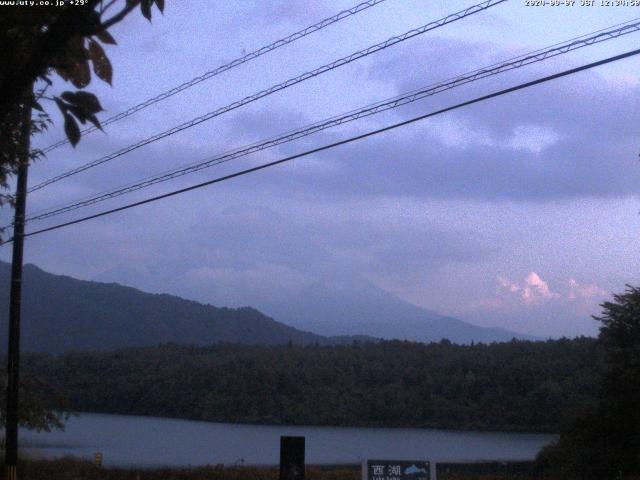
x=44, y=406
x=604, y=442
x=509, y=386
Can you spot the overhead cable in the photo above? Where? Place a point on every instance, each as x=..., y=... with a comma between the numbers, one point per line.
x=275, y=88
x=339, y=143
x=495, y=69
x=227, y=66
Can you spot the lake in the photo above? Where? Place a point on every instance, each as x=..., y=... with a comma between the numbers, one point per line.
x=151, y=441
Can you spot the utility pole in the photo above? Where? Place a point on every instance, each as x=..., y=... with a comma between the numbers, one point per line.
x=13, y=366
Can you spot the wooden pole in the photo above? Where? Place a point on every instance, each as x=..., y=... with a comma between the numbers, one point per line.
x=13, y=356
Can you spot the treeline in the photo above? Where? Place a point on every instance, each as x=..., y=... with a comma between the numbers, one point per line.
x=517, y=386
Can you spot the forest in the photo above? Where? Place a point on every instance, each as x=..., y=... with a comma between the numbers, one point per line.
x=513, y=386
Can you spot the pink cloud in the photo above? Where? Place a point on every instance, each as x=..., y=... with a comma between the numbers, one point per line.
x=508, y=284
x=533, y=289
x=532, y=293
x=536, y=290
x=586, y=292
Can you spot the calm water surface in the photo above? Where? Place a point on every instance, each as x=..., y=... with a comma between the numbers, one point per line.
x=150, y=441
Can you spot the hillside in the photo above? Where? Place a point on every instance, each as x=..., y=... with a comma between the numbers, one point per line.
x=61, y=314
x=345, y=304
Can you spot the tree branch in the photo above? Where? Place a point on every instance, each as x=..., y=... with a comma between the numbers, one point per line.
x=118, y=17
x=71, y=22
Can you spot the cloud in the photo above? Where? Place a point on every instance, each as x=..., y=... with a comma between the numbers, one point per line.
x=522, y=175
x=534, y=138
x=244, y=286
x=533, y=290
x=537, y=290
x=508, y=284
x=534, y=305
x=589, y=293
x=409, y=66
x=530, y=146
x=559, y=142
x=567, y=139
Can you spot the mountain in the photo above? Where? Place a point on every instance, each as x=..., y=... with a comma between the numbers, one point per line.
x=61, y=314
x=331, y=304
x=325, y=307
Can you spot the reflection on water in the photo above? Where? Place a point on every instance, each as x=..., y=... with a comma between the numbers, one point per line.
x=150, y=441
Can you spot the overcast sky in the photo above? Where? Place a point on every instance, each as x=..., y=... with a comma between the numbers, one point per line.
x=521, y=212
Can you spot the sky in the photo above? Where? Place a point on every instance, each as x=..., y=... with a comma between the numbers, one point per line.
x=520, y=212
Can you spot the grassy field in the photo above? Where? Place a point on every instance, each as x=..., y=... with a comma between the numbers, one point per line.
x=73, y=469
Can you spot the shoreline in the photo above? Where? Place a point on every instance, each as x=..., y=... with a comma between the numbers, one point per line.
x=306, y=425
x=157, y=442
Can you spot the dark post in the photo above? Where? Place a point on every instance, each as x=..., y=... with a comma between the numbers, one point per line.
x=13, y=366
x=291, y=458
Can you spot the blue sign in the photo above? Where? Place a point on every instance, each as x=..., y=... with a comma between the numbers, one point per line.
x=398, y=470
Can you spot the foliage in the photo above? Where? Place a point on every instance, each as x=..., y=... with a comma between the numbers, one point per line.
x=605, y=441
x=40, y=41
x=43, y=405
x=523, y=386
x=15, y=127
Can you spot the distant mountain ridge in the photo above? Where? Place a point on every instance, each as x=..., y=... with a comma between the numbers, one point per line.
x=325, y=308
x=62, y=314
x=334, y=304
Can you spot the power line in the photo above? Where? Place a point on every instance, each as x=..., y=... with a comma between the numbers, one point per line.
x=228, y=66
x=495, y=69
x=281, y=86
x=341, y=142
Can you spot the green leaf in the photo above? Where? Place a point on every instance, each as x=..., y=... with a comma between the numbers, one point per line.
x=101, y=64
x=71, y=129
x=160, y=4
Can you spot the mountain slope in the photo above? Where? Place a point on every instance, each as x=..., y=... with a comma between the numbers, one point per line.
x=343, y=304
x=61, y=313
x=324, y=308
